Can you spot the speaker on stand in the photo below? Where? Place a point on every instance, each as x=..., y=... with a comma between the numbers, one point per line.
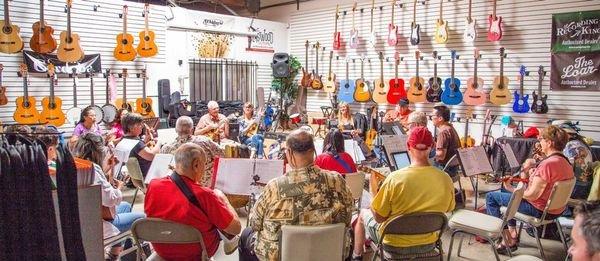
x=281, y=65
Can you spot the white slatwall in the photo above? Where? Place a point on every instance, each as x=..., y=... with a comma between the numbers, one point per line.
x=527, y=26
x=97, y=31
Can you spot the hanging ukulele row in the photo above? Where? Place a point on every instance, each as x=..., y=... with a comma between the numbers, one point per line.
x=69, y=49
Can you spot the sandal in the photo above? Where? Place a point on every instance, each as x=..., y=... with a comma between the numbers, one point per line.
x=502, y=250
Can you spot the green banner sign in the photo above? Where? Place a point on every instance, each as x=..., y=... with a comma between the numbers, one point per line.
x=576, y=32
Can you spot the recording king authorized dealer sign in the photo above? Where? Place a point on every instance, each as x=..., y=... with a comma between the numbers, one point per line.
x=576, y=32
x=575, y=71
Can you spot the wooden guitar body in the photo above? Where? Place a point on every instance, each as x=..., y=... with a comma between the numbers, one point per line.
x=362, y=91
x=144, y=107
x=470, y=32
x=26, y=113
x=472, y=95
x=539, y=104
x=52, y=113
x=42, y=40
x=3, y=99
x=495, y=28
x=521, y=103
x=500, y=94
x=416, y=91
x=69, y=50
x=396, y=91
x=10, y=40
x=124, y=50
x=441, y=31
x=434, y=92
x=380, y=92
x=415, y=34
x=147, y=47
x=306, y=78
x=467, y=142
x=121, y=105
x=316, y=83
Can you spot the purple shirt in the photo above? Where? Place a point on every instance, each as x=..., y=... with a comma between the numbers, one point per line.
x=81, y=130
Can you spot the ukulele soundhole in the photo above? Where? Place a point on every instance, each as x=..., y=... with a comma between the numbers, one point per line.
x=7, y=29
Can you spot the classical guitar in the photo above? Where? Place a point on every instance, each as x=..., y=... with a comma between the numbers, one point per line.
x=306, y=75
x=122, y=102
x=467, y=141
x=416, y=92
x=109, y=111
x=472, y=95
x=392, y=38
x=539, y=104
x=362, y=92
x=124, y=50
x=3, y=99
x=10, y=40
x=397, y=90
x=354, y=32
x=42, y=40
x=415, y=29
x=451, y=94
x=143, y=105
x=69, y=50
x=74, y=113
x=373, y=34
x=440, y=35
x=470, y=31
x=381, y=88
x=26, y=113
x=330, y=86
x=494, y=26
x=500, y=95
x=434, y=90
x=521, y=103
x=337, y=41
x=147, y=47
x=347, y=87
x=316, y=82
x=51, y=106
x=99, y=112
x=371, y=134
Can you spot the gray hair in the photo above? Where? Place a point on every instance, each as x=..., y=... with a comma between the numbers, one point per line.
x=418, y=117
x=187, y=153
x=300, y=141
x=212, y=105
x=184, y=126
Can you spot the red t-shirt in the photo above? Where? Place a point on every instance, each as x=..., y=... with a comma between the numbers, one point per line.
x=165, y=200
x=551, y=170
x=326, y=161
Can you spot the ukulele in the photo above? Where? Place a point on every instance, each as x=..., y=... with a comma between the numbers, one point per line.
x=470, y=31
x=495, y=26
x=306, y=75
x=521, y=104
x=69, y=49
x=316, y=82
x=371, y=134
x=440, y=35
x=347, y=88
x=451, y=94
x=472, y=96
x=3, y=99
x=122, y=102
x=416, y=93
x=51, y=106
x=25, y=113
x=109, y=111
x=74, y=113
x=392, y=38
x=362, y=91
x=98, y=111
x=434, y=91
x=354, y=31
x=415, y=29
x=467, y=141
x=143, y=105
x=397, y=90
x=124, y=50
x=373, y=35
x=500, y=95
x=337, y=41
x=10, y=40
x=539, y=104
x=330, y=83
x=42, y=40
x=381, y=88
x=147, y=47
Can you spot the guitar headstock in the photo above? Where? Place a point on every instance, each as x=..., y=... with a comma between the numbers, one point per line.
x=69, y=3
x=107, y=73
x=317, y=46
x=417, y=55
x=381, y=56
x=453, y=54
x=522, y=71
x=1, y=67
x=330, y=55
x=541, y=71
x=354, y=6
x=124, y=73
x=144, y=75
x=51, y=70
x=337, y=12
x=397, y=57
x=476, y=54
x=23, y=70
x=306, y=44
x=146, y=9
x=469, y=113
x=502, y=53
x=435, y=55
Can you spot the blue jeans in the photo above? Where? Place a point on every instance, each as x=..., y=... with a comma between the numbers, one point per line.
x=256, y=141
x=496, y=199
x=124, y=217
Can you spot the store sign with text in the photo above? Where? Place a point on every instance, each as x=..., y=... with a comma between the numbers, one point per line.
x=215, y=22
x=38, y=63
x=262, y=42
x=575, y=71
x=576, y=32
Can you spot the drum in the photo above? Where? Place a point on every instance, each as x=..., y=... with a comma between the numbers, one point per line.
x=295, y=118
x=319, y=121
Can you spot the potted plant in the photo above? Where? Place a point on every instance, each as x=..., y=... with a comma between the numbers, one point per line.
x=287, y=89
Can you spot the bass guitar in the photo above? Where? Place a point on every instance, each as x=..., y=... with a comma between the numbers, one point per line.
x=3, y=99
x=362, y=91
x=381, y=88
x=354, y=32
x=337, y=41
x=539, y=104
x=69, y=49
x=415, y=29
x=330, y=86
x=467, y=141
x=42, y=40
x=122, y=102
x=500, y=94
x=10, y=40
x=143, y=105
x=434, y=91
x=494, y=26
x=470, y=31
x=109, y=111
x=521, y=103
x=147, y=47
x=451, y=94
x=440, y=35
x=98, y=111
x=392, y=38
x=74, y=113
x=416, y=92
x=316, y=82
x=306, y=75
x=51, y=106
x=472, y=95
x=124, y=50
x=397, y=91
x=373, y=34
x=347, y=87
x=26, y=113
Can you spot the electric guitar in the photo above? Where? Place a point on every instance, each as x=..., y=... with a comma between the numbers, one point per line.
x=306, y=75
x=494, y=26
x=3, y=99
x=440, y=34
x=416, y=92
x=415, y=29
x=373, y=35
x=147, y=47
x=143, y=105
x=347, y=87
x=330, y=83
x=472, y=96
x=470, y=31
x=397, y=91
x=354, y=31
x=122, y=103
x=539, y=104
x=381, y=88
x=392, y=38
x=42, y=40
x=521, y=104
x=10, y=40
x=69, y=49
x=451, y=94
x=316, y=82
x=337, y=41
x=467, y=141
x=26, y=113
x=124, y=50
x=434, y=91
x=362, y=91
x=500, y=94
x=51, y=106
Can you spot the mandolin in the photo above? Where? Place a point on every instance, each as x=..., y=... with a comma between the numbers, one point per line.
x=347, y=87
x=392, y=38
x=354, y=32
x=109, y=111
x=521, y=104
x=440, y=34
x=434, y=91
x=373, y=34
x=467, y=141
x=362, y=91
x=316, y=82
x=397, y=91
x=99, y=112
x=539, y=104
x=143, y=105
x=451, y=94
x=472, y=95
x=3, y=99
x=306, y=75
x=10, y=40
x=124, y=50
x=42, y=40
x=337, y=41
x=26, y=113
x=69, y=50
x=415, y=29
x=147, y=47
x=500, y=95
x=122, y=103
x=381, y=88
x=74, y=113
x=330, y=86
x=470, y=31
x=51, y=106
x=416, y=92
x=494, y=26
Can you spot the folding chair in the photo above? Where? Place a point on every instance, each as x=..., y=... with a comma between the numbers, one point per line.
x=323, y=242
x=156, y=230
x=356, y=182
x=137, y=178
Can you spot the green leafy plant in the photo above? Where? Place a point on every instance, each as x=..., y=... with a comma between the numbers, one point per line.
x=287, y=87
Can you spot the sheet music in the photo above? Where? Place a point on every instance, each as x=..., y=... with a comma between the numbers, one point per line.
x=474, y=161
x=393, y=144
x=159, y=167
x=510, y=156
x=352, y=148
x=235, y=176
x=166, y=136
x=122, y=151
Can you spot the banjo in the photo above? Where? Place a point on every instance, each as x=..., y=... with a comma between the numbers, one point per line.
x=74, y=113
x=95, y=108
x=109, y=111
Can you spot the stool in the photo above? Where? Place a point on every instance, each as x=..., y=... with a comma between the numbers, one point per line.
x=327, y=110
x=321, y=130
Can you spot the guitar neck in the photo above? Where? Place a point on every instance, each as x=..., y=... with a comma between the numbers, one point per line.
x=42, y=23
x=393, y=8
x=541, y=78
x=372, y=7
x=51, y=89
x=469, y=17
x=435, y=69
x=441, y=11
x=124, y=89
x=107, y=85
x=25, y=88
x=146, y=13
x=68, y=22
x=92, y=89
x=521, y=84
x=125, y=20
x=317, y=60
x=494, y=11
x=396, y=70
x=466, y=128
x=381, y=70
x=501, y=68
x=6, y=16
x=417, y=67
x=347, y=77
x=362, y=70
x=144, y=87
x=74, y=90
x=475, y=70
x=452, y=71
x=415, y=13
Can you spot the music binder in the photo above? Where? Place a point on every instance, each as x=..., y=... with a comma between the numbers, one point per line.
x=474, y=161
x=238, y=176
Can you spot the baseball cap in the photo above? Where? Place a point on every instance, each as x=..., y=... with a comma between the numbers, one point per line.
x=403, y=102
x=420, y=138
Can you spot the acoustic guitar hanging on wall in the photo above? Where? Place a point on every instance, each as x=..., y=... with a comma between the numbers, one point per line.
x=124, y=50
x=147, y=47
x=10, y=40
x=51, y=106
x=69, y=49
x=42, y=40
x=26, y=113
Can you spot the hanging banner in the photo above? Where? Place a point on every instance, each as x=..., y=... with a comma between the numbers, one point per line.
x=38, y=63
x=576, y=32
x=262, y=42
x=575, y=71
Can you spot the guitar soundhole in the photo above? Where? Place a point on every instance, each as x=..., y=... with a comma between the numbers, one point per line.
x=146, y=38
x=7, y=30
x=125, y=106
x=69, y=40
x=124, y=41
x=52, y=106
x=26, y=104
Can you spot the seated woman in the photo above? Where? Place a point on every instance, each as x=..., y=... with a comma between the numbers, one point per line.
x=249, y=125
x=116, y=130
x=555, y=167
x=334, y=156
x=355, y=124
x=91, y=147
x=86, y=124
x=133, y=125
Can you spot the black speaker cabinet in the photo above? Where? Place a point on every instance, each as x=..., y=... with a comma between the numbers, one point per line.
x=253, y=6
x=281, y=65
x=164, y=97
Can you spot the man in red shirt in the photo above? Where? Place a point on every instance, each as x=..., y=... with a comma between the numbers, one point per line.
x=165, y=200
x=400, y=113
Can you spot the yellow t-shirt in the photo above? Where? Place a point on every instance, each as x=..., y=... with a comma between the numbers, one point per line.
x=410, y=190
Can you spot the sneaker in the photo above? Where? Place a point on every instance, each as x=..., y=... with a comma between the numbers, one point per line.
x=230, y=246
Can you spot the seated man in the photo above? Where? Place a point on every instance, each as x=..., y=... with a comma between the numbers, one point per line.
x=447, y=142
x=165, y=200
x=213, y=124
x=400, y=113
x=305, y=195
x=419, y=187
x=586, y=232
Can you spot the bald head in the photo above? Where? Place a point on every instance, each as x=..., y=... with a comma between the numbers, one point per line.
x=189, y=160
x=300, y=141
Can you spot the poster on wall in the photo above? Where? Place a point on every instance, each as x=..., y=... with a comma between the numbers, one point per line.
x=38, y=63
x=262, y=42
x=576, y=32
x=575, y=71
